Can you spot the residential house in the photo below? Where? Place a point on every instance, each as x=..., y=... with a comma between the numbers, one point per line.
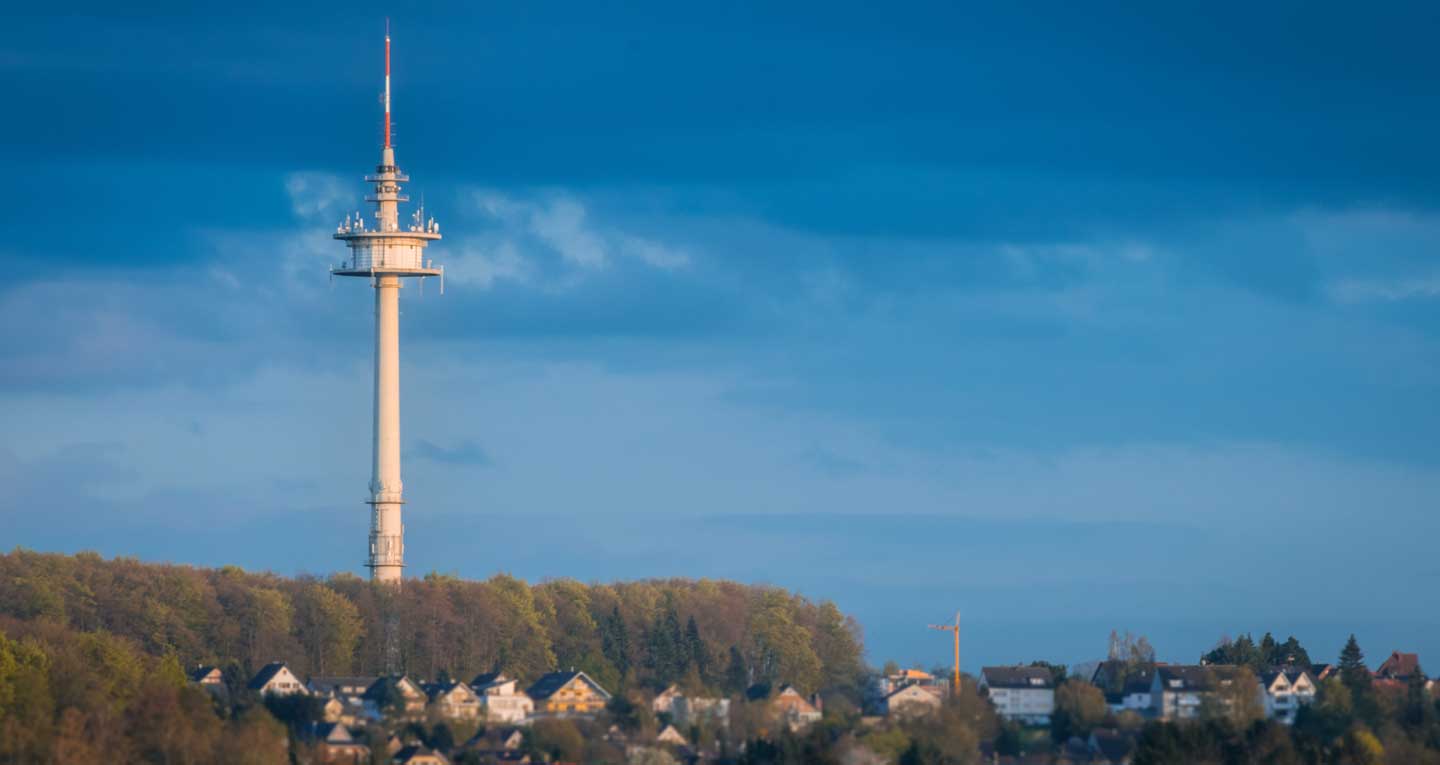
x=1022, y=694
x=688, y=710
x=1400, y=666
x=1126, y=685
x=567, y=693
x=344, y=694
x=1285, y=691
x=788, y=707
x=671, y=736
x=910, y=701
x=206, y=674
x=416, y=754
x=453, y=700
x=394, y=694
x=499, y=744
x=1323, y=672
x=888, y=684
x=332, y=710
x=664, y=702
x=276, y=679
x=341, y=685
x=500, y=700
x=1179, y=689
x=336, y=746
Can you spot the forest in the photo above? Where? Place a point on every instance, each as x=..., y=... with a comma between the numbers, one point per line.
x=92, y=646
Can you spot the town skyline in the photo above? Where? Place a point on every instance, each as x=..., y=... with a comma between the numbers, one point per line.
x=1120, y=324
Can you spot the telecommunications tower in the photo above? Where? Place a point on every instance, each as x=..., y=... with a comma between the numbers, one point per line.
x=385, y=254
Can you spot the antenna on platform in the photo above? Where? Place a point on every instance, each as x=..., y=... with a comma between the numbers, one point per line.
x=387, y=82
x=385, y=255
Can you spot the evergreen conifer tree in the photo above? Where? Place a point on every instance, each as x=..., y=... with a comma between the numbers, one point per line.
x=695, y=650
x=615, y=641
x=1352, y=660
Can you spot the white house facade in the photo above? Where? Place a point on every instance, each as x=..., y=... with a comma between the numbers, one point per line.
x=1285, y=691
x=1023, y=694
x=276, y=679
x=501, y=700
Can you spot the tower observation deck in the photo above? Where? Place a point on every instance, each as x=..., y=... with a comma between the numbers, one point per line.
x=385, y=255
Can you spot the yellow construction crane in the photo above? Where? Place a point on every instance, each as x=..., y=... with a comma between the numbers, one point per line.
x=954, y=629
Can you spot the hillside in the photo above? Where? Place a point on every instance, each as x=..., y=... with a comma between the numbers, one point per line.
x=717, y=634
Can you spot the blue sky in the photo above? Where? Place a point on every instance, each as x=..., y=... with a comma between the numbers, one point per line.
x=1069, y=317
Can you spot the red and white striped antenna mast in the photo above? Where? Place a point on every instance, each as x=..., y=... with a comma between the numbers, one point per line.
x=387, y=83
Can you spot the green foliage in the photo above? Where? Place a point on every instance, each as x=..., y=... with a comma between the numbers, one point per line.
x=667, y=654
x=1352, y=660
x=1356, y=677
x=949, y=738
x=93, y=652
x=1235, y=701
x=329, y=627
x=558, y=739
x=68, y=696
x=1009, y=741
x=615, y=641
x=737, y=673
x=781, y=649
x=1243, y=651
x=1079, y=708
x=715, y=635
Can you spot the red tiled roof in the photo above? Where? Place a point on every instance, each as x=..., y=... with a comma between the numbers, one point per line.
x=1399, y=666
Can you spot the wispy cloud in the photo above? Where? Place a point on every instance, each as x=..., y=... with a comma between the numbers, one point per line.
x=1385, y=290
x=466, y=453
x=551, y=240
x=317, y=197
x=831, y=462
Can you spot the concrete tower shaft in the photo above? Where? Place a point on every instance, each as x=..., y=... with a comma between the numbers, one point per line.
x=385, y=255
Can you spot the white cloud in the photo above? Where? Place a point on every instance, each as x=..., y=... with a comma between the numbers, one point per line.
x=557, y=226
x=1385, y=290
x=482, y=268
x=655, y=254
x=561, y=224
x=318, y=197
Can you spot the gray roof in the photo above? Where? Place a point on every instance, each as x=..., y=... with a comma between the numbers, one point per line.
x=199, y=673
x=486, y=678
x=1017, y=677
x=438, y=689
x=329, y=686
x=1119, y=679
x=377, y=688
x=1194, y=677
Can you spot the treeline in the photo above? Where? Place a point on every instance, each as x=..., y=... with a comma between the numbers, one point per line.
x=87, y=697
x=712, y=635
